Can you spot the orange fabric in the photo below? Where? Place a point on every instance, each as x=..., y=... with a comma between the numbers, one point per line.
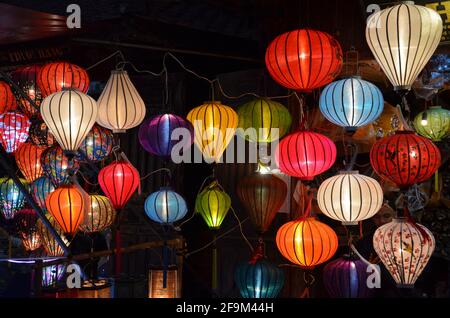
x=7, y=99
x=28, y=159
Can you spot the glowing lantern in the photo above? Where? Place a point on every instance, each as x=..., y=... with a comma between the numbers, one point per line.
x=56, y=76
x=40, y=135
x=26, y=78
x=100, y=215
x=433, y=123
x=350, y=197
x=305, y=154
x=119, y=180
x=51, y=246
x=262, y=195
x=304, y=59
x=57, y=166
x=120, y=107
x=264, y=115
x=306, y=242
x=259, y=280
x=40, y=189
x=213, y=205
x=14, y=129
x=7, y=99
x=351, y=103
x=405, y=158
x=11, y=198
x=97, y=145
x=28, y=159
x=70, y=116
x=165, y=206
x=404, y=248
x=66, y=204
x=25, y=222
x=214, y=127
x=403, y=38
x=155, y=134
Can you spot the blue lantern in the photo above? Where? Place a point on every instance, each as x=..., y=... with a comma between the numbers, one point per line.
x=11, y=198
x=97, y=145
x=351, y=103
x=259, y=280
x=165, y=206
x=40, y=189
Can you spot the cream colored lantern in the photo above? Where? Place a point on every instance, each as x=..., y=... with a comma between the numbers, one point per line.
x=120, y=107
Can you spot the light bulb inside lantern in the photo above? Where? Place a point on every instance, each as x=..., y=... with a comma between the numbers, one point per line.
x=424, y=120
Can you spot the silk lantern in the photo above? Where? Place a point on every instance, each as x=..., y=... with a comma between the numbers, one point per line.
x=119, y=180
x=434, y=123
x=11, y=198
x=7, y=99
x=304, y=59
x=51, y=245
x=120, y=107
x=26, y=78
x=52, y=274
x=97, y=145
x=25, y=222
x=404, y=248
x=306, y=242
x=262, y=196
x=100, y=214
x=14, y=128
x=214, y=127
x=213, y=205
x=57, y=166
x=40, y=135
x=56, y=76
x=388, y=122
x=69, y=115
x=405, y=158
x=305, y=154
x=40, y=189
x=28, y=159
x=351, y=103
x=165, y=206
x=155, y=134
x=350, y=197
x=264, y=116
x=403, y=38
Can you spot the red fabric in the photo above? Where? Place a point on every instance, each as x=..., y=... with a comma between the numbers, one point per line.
x=14, y=128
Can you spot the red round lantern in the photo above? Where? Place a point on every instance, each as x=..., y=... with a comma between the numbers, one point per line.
x=54, y=77
x=7, y=99
x=26, y=78
x=28, y=159
x=304, y=59
x=405, y=158
x=305, y=154
x=119, y=180
x=14, y=128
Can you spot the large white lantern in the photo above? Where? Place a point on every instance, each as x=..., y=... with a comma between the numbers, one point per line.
x=403, y=38
x=120, y=107
x=350, y=197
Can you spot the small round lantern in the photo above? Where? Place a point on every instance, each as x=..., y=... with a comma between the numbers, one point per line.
x=40, y=189
x=25, y=222
x=11, y=198
x=40, y=135
x=97, y=145
x=101, y=214
x=14, y=128
x=213, y=205
x=51, y=246
x=28, y=159
x=7, y=99
x=433, y=123
x=26, y=78
x=57, y=166
x=165, y=206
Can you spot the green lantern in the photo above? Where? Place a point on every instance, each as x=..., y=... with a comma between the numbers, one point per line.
x=263, y=115
x=11, y=198
x=434, y=123
x=213, y=205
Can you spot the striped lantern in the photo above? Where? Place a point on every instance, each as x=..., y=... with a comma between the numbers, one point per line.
x=25, y=222
x=100, y=214
x=40, y=189
x=403, y=38
x=40, y=135
x=351, y=103
x=350, y=197
x=304, y=59
x=11, y=198
x=57, y=166
x=7, y=99
x=28, y=159
x=434, y=123
x=69, y=115
x=97, y=145
x=165, y=206
x=213, y=205
x=14, y=128
x=120, y=107
x=26, y=78
x=51, y=245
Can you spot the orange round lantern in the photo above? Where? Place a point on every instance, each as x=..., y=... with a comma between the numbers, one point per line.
x=28, y=159
x=7, y=99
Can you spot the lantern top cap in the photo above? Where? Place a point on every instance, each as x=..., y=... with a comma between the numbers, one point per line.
x=400, y=219
x=166, y=188
x=349, y=172
x=213, y=102
x=404, y=132
x=119, y=72
x=435, y=107
x=408, y=2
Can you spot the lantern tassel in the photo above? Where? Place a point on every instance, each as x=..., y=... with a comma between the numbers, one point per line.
x=413, y=222
x=214, y=265
x=258, y=253
x=165, y=263
x=118, y=262
x=436, y=182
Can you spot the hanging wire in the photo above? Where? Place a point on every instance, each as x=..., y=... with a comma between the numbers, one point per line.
x=240, y=228
x=106, y=59
x=156, y=171
x=85, y=179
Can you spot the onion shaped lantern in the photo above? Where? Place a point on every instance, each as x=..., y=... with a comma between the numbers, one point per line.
x=213, y=205
x=7, y=99
x=351, y=103
x=269, y=119
x=100, y=214
x=40, y=189
x=25, y=222
x=305, y=154
x=28, y=159
x=49, y=242
x=40, y=135
x=11, y=198
x=97, y=145
x=26, y=78
x=433, y=123
x=304, y=59
x=404, y=248
x=405, y=158
x=14, y=128
x=57, y=166
x=165, y=206
x=214, y=127
x=350, y=197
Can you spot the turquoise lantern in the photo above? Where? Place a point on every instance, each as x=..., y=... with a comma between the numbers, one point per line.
x=40, y=189
x=11, y=198
x=165, y=206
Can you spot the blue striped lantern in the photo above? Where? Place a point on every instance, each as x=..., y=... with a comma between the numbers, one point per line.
x=351, y=103
x=165, y=206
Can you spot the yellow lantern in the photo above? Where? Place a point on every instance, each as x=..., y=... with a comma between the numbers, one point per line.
x=100, y=215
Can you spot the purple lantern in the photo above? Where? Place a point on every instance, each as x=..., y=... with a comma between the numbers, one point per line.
x=155, y=134
x=346, y=277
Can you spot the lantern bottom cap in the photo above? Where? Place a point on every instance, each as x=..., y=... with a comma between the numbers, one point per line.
x=349, y=223
x=350, y=129
x=306, y=178
x=119, y=131
x=405, y=285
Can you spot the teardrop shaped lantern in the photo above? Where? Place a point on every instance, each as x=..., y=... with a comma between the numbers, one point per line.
x=304, y=59
x=120, y=107
x=403, y=38
x=213, y=205
x=69, y=115
x=55, y=76
x=14, y=128
x=264, y=116
x=57, y=165
x=165, y=206
x=26, y=78
x=434, y=123
x=28, y=159
x=214, y=127
x=100, y=214
x=7, y=99
x=305, y=154
x=155, y=134
x=40, y=135
x=40, y=189
x=262, y=195
x=404, y=248
x=11, y=198
x=306, y=242
x=97, y=145
x=25, y=222
x=350, y=197
x=351, y=103
x=49, y=242
x=405, y=158
x=259, y=280
x=119, y=180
